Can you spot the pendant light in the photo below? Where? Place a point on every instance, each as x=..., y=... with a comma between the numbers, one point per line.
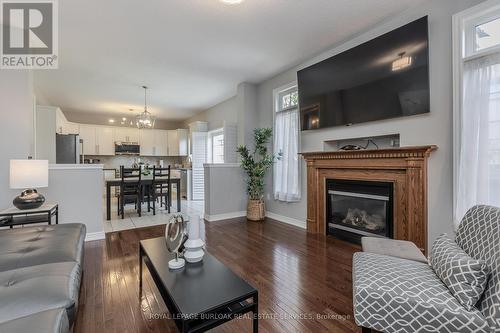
x=145, y=119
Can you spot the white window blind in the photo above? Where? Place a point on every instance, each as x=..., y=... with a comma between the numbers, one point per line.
x=286, y=179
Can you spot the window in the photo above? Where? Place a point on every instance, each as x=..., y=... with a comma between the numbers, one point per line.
x=487, y=35
x=477, y=110
x=216, y=146
x=286, y=178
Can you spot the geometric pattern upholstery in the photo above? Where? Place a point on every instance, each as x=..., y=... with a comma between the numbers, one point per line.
x=465, y=277
x=479, y=236
x=398, y=295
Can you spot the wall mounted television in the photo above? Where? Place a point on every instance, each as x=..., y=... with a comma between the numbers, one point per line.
x=384, y=78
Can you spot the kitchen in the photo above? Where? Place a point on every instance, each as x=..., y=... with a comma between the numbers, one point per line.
x=64, y=142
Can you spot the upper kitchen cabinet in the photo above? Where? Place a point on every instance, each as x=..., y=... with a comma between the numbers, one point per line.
x=161, y=142
x=126, y=134
x=147, y=142
x=178, y=142
x=97, y=140
x=154, y=142
x=173, y=143
x=88, y=137
x=182, y=136
x=63, y=126
x=105, y=141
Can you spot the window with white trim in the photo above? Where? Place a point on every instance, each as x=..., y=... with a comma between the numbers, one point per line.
x=477, y=109
x=216, y=146
x=286, y=175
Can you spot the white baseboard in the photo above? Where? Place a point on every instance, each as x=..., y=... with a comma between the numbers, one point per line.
x=93, y=236
x=287, y=220
x=227, y=216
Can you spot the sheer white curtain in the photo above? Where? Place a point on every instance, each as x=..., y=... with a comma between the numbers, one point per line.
x=286, y=170
x=479, y=160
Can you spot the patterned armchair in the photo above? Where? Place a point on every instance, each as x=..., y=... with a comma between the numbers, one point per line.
x=398, y=295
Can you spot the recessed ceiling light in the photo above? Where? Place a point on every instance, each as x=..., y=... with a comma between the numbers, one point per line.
x=232, y=2
x=111, y=120
x=124, y=119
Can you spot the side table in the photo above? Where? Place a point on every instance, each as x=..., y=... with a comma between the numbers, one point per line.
x=13, y=216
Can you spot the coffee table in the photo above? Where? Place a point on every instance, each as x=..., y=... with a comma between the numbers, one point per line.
x=200, y=296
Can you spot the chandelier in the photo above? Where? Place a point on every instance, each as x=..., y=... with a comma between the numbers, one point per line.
x=145, y=119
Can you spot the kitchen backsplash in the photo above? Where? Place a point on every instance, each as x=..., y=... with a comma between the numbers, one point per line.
x=114, y=162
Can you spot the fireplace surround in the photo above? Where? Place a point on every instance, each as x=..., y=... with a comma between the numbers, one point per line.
x=405, y=168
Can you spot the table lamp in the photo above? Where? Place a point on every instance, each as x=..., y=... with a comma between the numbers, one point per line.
x=28, y=175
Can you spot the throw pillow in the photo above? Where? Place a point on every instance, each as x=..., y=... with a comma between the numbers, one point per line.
x=465, y=277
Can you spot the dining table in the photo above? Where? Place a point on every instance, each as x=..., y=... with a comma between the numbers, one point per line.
x=146, y=180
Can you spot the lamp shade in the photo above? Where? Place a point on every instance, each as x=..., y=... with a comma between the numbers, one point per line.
x=26, y=174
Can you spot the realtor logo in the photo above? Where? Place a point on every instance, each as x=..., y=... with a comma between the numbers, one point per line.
x=29, y=34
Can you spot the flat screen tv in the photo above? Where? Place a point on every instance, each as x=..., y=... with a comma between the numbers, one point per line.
x=387, y=77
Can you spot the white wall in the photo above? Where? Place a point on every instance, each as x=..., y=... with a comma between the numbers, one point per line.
x=78, y=189
x=433, y=128
x=46, y=133
x=16, y=133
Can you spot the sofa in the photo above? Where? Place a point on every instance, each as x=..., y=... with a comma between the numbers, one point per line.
x=40, y=275
x=395, y=293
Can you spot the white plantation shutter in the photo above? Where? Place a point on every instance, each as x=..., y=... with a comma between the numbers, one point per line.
x=199, y=158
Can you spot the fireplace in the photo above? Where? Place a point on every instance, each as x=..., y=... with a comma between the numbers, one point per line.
x=359, y=208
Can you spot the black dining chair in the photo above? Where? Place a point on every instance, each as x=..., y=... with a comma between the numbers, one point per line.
x=160, y=187
x=130, y=189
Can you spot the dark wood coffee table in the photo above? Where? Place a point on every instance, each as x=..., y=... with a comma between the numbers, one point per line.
x=200, y=296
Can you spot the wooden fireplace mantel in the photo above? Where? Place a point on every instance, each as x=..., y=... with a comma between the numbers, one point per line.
x=405, y=167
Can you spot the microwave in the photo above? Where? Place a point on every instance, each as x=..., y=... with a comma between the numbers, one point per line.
x=127, y=148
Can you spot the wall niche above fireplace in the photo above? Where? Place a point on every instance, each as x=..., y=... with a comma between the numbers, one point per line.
x=405, y=169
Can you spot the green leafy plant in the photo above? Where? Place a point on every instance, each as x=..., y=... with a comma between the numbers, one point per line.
x=258, y=162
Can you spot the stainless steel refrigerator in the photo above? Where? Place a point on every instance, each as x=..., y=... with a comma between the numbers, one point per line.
x=68, y=148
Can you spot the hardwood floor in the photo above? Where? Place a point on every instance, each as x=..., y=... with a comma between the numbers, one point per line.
x=304, y=280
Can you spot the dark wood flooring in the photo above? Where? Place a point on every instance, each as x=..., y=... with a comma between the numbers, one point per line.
x=304, y=280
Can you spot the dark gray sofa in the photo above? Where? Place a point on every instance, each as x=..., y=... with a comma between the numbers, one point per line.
x=40, y=275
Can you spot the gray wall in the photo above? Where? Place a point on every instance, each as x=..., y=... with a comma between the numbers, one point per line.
x=16, y=135
x=240, y=109
x=216, y=115
x=434, y=128
x=228, y=199
x=78, y=189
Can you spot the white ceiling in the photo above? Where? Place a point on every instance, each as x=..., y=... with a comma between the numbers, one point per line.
x=191, y=53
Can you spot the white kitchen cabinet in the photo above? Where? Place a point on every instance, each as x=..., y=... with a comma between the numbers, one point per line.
x=154, y=142
x=147, y=142
x=182, y=138
x=97, y=140
x=173, y=143
x=161, y=143
x=70, y=128
x=105, y=141
x=63, y=126
x=126, y=134
x=87, y=134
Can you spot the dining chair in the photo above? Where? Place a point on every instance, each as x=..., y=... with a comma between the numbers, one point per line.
x=130, y=189
x=160, y=187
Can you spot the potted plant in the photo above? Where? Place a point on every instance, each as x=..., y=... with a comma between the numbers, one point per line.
x=256, y=164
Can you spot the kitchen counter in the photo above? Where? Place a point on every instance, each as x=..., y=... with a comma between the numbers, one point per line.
x=75, y=166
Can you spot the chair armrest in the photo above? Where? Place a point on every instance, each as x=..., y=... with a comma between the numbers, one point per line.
x=392, y=247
